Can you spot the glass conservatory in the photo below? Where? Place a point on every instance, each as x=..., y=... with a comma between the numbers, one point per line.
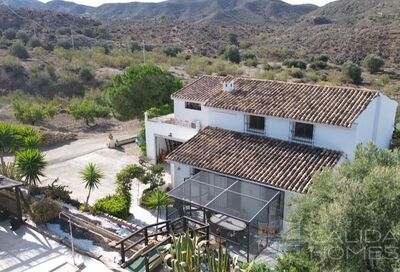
x=244, y=216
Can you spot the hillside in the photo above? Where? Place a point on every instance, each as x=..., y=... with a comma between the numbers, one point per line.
x=349, y=29
x=216, y=11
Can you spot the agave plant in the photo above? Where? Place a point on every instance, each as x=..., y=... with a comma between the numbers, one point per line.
x=191, y=254
x=185, y=253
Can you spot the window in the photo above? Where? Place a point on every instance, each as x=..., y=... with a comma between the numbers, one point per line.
x=303, y=131
x=193, y=106
x=255, y=124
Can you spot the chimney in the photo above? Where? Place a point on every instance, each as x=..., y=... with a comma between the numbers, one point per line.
x=228, y=85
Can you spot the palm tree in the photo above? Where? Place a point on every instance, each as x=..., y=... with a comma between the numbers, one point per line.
x=30, y=165
x=157, y=200
x=7, y=142
x=91, y=176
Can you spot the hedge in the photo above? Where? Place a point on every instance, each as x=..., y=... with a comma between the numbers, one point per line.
x=115, y=205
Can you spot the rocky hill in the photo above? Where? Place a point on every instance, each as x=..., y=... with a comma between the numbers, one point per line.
x=216, y=11
x=349, y=29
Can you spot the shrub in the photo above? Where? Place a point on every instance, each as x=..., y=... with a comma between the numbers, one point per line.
x=255, y=267
x=296, y=73
x=295, y=262
x=45, y=210
x=124, y=180
x=64, y=31
x=323, y=58
x=233, y=39
x=352, y=71
x=172, y=51
x=297, y=63
x=373, y=63
x=232, y=54
x=34, y=42
x=21, y=35
x=135, y=46
x=18, y=50
x=318, y=65
x=32, y=112
x=87, y=109
x=10, y=33
x=56, y=191
x=85, y=74
x=103, y=46
x=66, y=44
x=115, y=205
x=384, y=79
x=270, y=75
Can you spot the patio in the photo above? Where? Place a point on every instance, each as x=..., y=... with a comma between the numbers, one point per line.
x=243, y=215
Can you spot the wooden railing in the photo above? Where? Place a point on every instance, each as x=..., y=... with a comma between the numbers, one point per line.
x=177, y=227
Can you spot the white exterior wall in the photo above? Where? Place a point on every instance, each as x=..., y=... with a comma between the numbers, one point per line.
x=178, y=173
x=182, y=113
x=229, y=120
x=385, y=121
x=168, y=131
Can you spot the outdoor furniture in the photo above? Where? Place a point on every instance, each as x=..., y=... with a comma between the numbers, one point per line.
x=227, y=222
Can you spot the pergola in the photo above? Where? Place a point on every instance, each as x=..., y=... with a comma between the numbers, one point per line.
x=243, y=213
x=5, y=199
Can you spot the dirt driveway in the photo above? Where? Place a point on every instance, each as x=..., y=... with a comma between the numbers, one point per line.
x=66, y=162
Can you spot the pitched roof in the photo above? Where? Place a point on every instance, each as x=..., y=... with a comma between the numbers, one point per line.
x=338, y=106
x=200, y=90
x=274, y=162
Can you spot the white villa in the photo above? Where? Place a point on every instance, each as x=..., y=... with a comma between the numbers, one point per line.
x=240, y=148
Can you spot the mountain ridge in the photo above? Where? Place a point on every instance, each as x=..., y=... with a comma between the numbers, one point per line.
x=218, y=11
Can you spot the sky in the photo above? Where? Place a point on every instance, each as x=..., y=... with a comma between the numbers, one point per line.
x=100, y=2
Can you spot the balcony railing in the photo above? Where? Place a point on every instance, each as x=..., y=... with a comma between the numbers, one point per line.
x=170, y=119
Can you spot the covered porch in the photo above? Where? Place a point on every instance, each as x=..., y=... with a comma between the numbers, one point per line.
x=244, y=216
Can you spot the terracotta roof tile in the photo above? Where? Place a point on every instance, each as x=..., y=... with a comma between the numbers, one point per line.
x=274, y=162
x=338, y=106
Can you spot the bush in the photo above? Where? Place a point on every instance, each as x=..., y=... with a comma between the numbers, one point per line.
x=103, y=46
x=64, y=31
x=32, y=112
x=45, y=210
x=255, y=267
x=232, y=54
x=85, y=74
x=10, y=33
x=294, y=262
x=64, y=44
x=373, y=63
x=135, y=46
x=87, y=109
x=297, y=63
x=352, y=71
x=56, y=191
x=34, y=42
x=115, y=205
x=318, y=65
x=296, y=73
x=18, y=50
x=172, y=51
x=233, y=39
x=21, y=35
x=323, y=58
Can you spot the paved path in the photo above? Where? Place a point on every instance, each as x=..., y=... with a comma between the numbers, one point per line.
x=28, y=250
x=66, y=162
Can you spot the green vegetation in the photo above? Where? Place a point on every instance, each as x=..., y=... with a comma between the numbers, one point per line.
x=18, y=50
x=294, y=262
x=349, y=206
x=297, y=63
x=233, y=39
x=114, y=205
x=124, y=181
x=373, y=63
x=10, y=33
x=45, y=210
x=352, y=72
x=87, y=109
x=172, y=51
x=232, y=54
x=65, y=44
x=140, y=88
x=31, y=112
x=157, y=200
x=91, y=176
x=30, y=163
x=34, y=42
x=22, y=36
